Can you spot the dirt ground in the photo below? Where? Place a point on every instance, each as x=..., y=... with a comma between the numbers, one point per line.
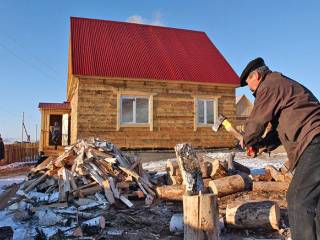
x=143, y=222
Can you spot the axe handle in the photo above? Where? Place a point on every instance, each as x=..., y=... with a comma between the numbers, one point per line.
x=228, y=126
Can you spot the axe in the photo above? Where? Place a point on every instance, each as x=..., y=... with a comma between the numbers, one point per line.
x=223, y=121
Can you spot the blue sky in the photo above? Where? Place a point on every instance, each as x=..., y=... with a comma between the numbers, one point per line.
x=34, y=42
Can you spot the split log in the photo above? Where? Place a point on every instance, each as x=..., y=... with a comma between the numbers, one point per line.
x=44, y=165
x=93, y=226
x=108, y=192
x=171, y=192
x=174, y=171
x=205, y=164
x=200, y=217
x=90, y=191
x=276, y=175
x=114, y=188
x=64, y=176
x=228, y=185
x=246, y=215
x=74, y=232
x=270, y=186
x=67, y=158
x=126, y=201
x=190, y=168
x=36, y=182
x=217, y=170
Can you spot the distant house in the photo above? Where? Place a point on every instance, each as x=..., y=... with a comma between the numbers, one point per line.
x=142, y=87
x=243, y=110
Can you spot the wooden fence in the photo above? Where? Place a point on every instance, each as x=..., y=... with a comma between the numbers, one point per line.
x=18, y=152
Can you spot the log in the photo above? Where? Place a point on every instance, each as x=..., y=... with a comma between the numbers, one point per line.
x=171, y=192
x=205, y=166
x=174, y=171
x=246, y=215
x=93, y=226
x=176, y=225
x=126, y=201
x=276, y=175
x=67, y=158
x=89, y=191
x=43, y=166
x=217, y=170
x=270, y=186
x=200, y=217
x=190, y=168
x=228, y=185
x=36, y=182
x=108, y=192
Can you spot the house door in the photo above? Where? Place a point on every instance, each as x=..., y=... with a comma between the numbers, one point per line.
x=55, y=123
x=65, y=129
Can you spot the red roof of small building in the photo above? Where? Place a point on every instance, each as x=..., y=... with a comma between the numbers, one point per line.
x=58, y=106
x=127, y=50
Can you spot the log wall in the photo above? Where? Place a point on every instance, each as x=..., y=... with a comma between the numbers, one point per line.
x=94, y=113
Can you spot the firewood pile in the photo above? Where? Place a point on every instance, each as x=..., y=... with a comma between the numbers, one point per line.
x=226, y=177
x=72, y=191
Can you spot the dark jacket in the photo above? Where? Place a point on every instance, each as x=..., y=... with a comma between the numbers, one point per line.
x=1, y=149
x=293, y=111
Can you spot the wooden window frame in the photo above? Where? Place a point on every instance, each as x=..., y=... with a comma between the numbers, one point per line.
x=215, y=100
x=135, y=94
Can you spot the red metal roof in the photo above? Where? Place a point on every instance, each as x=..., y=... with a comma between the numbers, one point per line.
x=59, y=106
x=127, y=50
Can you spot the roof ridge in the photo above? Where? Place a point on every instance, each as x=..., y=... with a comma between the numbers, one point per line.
x=140, y=24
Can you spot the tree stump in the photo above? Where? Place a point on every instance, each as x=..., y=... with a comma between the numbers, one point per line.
x=201, y=217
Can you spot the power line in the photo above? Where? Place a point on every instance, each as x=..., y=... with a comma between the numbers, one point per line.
x=26, y=62
x=38, y=59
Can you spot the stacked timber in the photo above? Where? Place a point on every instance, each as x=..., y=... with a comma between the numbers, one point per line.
x=70, y=193
x=87, y=168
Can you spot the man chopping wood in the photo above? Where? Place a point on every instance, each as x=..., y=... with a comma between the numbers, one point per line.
x=294, y=113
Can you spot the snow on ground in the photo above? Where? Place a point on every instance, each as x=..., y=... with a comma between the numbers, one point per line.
x=17, y=165
x=21, y=231
x=10, y=180
x=256, y=165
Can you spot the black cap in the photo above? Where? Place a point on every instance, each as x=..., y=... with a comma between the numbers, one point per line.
x=254, y=64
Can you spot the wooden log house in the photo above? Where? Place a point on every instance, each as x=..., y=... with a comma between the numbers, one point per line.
x=143, y=87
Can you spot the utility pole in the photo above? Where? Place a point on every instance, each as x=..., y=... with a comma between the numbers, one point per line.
x=22, y=127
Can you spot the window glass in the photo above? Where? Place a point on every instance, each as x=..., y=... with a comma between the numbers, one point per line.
x=200, y=113
x=142, y=110
x=210, y=119
x=127, y=110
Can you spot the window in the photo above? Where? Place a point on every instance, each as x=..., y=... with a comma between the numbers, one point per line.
x=206, y=111
x=134, y=110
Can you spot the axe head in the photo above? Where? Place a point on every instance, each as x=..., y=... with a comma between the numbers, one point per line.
x=218, y=123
